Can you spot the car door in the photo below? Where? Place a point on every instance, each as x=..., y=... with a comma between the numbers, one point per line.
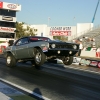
x=22, y=48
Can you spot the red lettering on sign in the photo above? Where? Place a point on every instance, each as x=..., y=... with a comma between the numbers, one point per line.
x=12, y=6
x=6, y=29
x=60, y=33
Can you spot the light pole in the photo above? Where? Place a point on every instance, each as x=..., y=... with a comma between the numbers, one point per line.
x=73, y=24
x=73, y=21
x=48, y=20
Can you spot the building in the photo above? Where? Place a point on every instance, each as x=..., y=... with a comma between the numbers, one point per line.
x=8, y=20
x=69, y=31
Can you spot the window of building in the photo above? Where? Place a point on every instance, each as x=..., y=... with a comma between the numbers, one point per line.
x=6, y=35
x=7, y=12
x=7, y=24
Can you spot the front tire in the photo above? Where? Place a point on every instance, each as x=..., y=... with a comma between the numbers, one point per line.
x=68, y=60
x=39, y=58
x=10, y=61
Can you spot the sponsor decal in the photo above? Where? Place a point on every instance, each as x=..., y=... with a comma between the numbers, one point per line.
x=99, y=64
x=82, y=62
x=12, y=6
x=76, y=60
x=7, y=18
x=88, y=62
x=45, y=49
x=85, y=62
x=94, y=63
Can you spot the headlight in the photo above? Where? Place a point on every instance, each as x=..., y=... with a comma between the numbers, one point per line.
x=74, y=46
x=53, y=45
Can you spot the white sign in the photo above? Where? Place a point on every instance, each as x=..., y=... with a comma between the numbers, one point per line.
x=76, y=60
x=60, y=31
x=11, y=6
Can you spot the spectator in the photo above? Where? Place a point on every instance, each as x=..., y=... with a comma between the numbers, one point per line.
x=80, y=47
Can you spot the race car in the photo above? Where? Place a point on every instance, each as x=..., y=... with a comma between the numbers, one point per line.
x=39, y=49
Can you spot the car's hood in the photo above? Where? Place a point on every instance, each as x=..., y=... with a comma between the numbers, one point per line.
x=61, y=42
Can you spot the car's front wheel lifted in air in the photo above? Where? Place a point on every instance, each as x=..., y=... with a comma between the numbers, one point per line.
x=68, y=60
x=39, y=58
x=10, y=61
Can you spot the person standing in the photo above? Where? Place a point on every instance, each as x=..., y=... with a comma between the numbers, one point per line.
x=80, y=48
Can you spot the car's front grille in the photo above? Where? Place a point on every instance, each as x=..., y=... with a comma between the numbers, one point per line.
x=59, y=46
x=63, y=46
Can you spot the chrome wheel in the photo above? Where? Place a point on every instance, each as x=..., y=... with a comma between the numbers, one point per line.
x=8, y=59
x=38, y=57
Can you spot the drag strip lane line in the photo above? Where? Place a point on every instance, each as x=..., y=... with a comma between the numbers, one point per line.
x=82, y=69
x=72, y=67
x=26, y=90
x=62, y=72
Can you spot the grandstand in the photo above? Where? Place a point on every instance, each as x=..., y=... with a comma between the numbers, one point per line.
x=92, y=34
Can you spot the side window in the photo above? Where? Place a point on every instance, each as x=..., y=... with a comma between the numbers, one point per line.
x=22, y=41
x=18, y=42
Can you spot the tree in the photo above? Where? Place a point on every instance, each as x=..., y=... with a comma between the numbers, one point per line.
x=57, y=37
x=22, y=31
x=62, y=38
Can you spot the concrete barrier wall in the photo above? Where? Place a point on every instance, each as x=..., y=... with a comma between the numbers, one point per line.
x=94, y=54
x=88, y=53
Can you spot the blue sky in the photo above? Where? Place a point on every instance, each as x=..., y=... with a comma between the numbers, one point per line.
x=61, y=12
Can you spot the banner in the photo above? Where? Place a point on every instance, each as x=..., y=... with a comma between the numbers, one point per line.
x=94, y=63
x=60, y=31
x=76, y=60
x=84, y=62
x=98, y=65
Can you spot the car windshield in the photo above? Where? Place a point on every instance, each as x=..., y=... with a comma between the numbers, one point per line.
x=33, y=39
